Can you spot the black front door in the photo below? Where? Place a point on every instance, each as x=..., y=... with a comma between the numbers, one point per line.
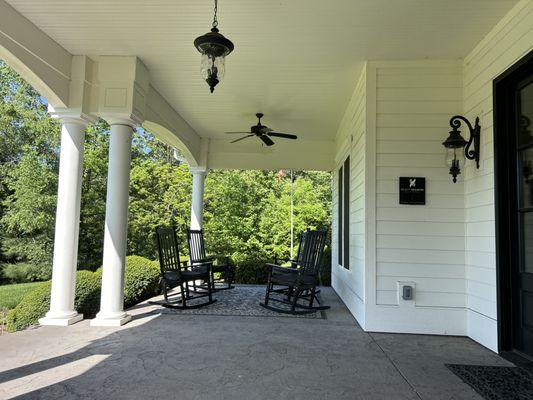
x=523, y=267
x=514, y=196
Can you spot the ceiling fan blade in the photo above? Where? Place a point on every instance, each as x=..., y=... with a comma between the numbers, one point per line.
x=231, y=133
x=283, y=135
x=239, y=139
x=266, y=140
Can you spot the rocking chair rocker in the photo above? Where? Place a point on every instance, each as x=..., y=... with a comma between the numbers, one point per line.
x=299, y=281
x=198, y=257
x=176, y=273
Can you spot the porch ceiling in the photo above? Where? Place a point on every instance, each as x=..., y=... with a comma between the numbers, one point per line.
x=295, y=60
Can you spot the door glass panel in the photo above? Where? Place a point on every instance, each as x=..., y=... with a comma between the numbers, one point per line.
x=526, y=172
x=525, y=135
x=527, y=244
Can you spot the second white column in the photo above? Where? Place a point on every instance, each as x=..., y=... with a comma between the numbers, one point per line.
x=197, y=203
x=116, y=228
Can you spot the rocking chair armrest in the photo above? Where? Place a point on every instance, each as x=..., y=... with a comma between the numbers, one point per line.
x=270, y=266
x=201, y=264
x=279, y=261
x=203, y=260
x=279, y=268
x=219, y=258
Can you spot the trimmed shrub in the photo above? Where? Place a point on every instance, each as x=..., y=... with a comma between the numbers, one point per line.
x=251, y=272
x=37, y=302
x=325, y=269
x=141, y=280
x=32, y=307
x=87, y=301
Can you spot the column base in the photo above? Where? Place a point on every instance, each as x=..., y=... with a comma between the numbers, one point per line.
x=51, y=320
x=118, y=320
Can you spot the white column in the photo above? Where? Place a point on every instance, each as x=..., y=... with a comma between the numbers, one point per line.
x=116, y=227
x=67, y=225
x=197, y=204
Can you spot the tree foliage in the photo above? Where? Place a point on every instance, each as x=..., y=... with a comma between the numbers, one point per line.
x=247, y=213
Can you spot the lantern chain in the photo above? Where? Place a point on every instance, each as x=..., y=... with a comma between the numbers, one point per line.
x=215, y=20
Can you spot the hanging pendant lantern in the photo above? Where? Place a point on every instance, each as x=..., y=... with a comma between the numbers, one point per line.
x=214, y=48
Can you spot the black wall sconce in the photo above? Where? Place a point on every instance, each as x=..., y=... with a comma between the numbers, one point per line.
x=455, y=143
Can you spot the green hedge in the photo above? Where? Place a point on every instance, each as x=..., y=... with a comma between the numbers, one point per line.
x=325, y=269
x=252, y=272
x=37, y=302
x=141, y=282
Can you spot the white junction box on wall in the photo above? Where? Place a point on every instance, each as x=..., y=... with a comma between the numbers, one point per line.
x=406, y=293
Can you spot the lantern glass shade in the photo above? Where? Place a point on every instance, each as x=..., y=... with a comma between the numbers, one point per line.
x=213, y=67
x=455, y=157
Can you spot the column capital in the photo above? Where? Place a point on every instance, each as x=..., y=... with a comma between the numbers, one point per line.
x=198, y=170
x=122, y=119
x=71, y=116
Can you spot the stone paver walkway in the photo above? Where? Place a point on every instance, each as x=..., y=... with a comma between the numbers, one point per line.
x=219, y=357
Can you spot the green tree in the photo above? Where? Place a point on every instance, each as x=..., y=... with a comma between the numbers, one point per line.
x=28, y=174
x=160, y=193
x=247, y=213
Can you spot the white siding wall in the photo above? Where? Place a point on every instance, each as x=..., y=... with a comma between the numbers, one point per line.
x=394, y=126
x=509, y=41
x=350, y=140
x=425, y=245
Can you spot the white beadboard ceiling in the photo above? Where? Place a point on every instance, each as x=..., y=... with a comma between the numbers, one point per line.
x=294, y=60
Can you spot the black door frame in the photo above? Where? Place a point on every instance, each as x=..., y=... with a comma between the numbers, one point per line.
x=504, y=170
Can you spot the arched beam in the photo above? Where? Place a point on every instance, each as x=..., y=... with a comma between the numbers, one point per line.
x=42, y=62
x=162, y=120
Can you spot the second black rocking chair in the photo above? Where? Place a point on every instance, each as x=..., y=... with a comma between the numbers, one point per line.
x=299, y=281
x=198, y=256
x=176, y=273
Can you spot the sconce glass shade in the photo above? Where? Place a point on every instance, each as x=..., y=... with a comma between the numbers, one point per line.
x=455, y=156
x=455, y=160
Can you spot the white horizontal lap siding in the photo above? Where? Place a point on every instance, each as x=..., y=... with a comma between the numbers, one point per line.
x=422, y=244
x=510, y=40
x=350, y=140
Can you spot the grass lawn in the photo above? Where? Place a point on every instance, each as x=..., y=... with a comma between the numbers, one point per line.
x=11, y=295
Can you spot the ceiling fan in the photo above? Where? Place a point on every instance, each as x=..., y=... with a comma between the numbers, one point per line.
x=263, y=132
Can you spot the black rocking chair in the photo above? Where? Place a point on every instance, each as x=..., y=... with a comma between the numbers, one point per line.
x=176, y=273
x=294, y=262
x=198, y=257
x=300, y=280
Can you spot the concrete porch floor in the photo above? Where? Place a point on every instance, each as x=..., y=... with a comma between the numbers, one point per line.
x=213, y=357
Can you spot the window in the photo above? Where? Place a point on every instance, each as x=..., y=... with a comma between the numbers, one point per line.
x=344, y=214
x=340, y=218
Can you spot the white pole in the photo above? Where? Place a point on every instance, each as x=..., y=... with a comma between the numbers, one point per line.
x=197, y=203
x=67, y=225
x=116, y=229
x=292, y=215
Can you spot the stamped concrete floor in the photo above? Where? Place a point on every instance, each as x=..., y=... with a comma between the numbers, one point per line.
x=212, y=357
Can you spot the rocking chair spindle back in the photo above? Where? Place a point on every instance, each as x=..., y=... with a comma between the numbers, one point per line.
x=169, y=258
x=196, y=246
x=310, y=251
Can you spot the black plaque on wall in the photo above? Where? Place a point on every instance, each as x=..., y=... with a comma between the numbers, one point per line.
x=412, y=190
